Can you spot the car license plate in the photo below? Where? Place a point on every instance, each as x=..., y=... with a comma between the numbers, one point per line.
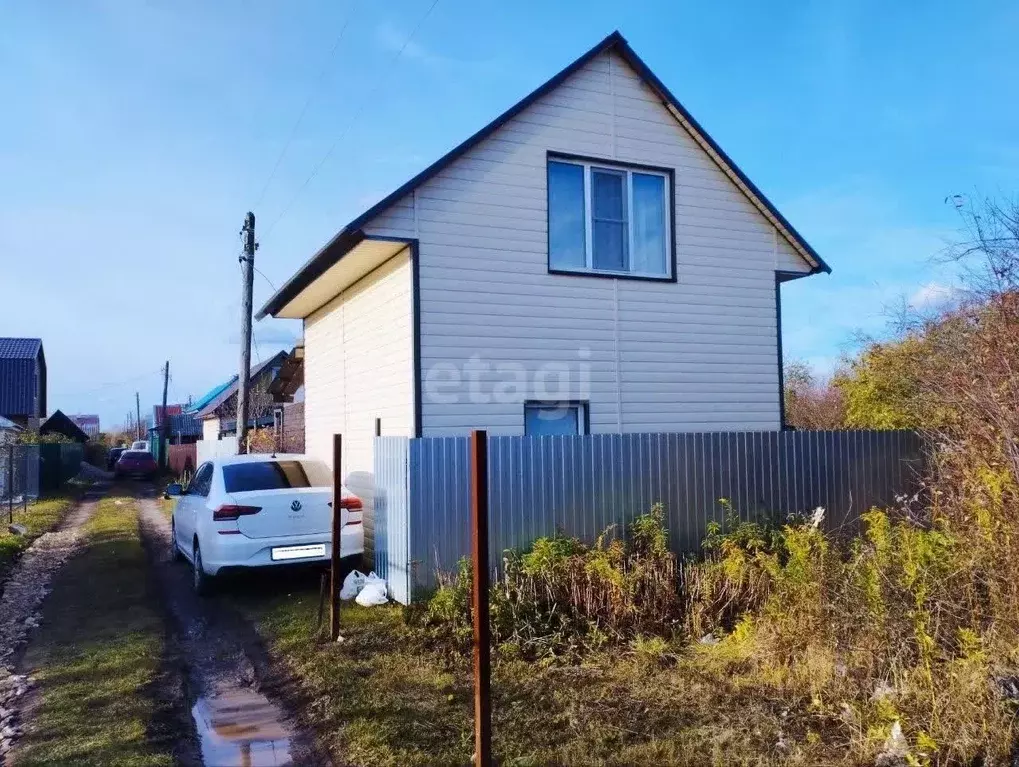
x=298, y=552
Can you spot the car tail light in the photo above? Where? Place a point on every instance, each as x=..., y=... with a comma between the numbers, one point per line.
x=352, y=504
x=230, y=512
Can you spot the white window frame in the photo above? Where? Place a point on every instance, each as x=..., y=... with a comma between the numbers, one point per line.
x=627, y=171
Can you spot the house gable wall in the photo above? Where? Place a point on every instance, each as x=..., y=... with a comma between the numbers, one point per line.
x=700, y=353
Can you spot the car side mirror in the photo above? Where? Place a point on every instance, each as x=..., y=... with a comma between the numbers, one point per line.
x=173, y=490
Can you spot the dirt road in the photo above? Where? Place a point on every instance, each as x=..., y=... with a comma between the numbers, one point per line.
x=238, y=702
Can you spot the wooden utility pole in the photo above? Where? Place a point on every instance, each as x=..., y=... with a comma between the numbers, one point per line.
x=247, y=260
x=334, y=559
x=163, y=440
x=479, y=600
x=138, y=419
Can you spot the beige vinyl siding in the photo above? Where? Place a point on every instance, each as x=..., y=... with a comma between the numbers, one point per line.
x=210, y=429
x=359, y=367
x=698, y=354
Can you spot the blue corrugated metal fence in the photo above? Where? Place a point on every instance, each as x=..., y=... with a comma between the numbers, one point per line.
x=582, y=484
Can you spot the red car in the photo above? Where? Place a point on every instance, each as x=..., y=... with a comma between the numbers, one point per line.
x=136, y=463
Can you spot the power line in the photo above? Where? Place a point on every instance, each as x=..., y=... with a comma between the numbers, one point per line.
x=307, y=102
x=363, y=102
x=132, y=379
x=266, y=279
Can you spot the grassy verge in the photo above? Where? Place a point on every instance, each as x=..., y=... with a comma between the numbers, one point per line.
x=41, y=516
x=98, y=653
x=391, y=696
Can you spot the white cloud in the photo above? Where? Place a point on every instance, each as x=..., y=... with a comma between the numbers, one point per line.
x=931, y=294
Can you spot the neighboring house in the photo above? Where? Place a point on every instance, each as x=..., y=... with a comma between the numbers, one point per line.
x=87, y=423
x=157, y=413
x=183, y=429
x=288, y=391
x=58, y=423
x=8, y=431
x=217, y=411
x=22, y=381
x=591, y=261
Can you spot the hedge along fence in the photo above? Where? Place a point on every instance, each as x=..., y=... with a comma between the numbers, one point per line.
x=580, y=485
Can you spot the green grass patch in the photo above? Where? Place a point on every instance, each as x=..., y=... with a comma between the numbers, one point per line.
x=40, y=517
x=97, y=654
x=393, y=695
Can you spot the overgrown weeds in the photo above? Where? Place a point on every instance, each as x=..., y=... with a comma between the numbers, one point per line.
x=876, y=638
x=563, y=596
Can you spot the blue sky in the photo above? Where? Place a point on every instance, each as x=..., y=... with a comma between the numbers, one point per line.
x=135, y=135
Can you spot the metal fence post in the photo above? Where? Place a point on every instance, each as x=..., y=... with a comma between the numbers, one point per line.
x=24, y=480
x=10, y=484
x=334, y=561
x=479, y=599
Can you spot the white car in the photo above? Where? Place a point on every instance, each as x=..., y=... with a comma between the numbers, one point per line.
x=139, y=444
x=260, y=511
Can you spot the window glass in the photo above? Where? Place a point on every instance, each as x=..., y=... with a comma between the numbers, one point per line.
x=608, y=229
x=566, y=234
x=648, y=224
x=275, y=475
x=201, y=483
x=608, y=219
x=552, y=418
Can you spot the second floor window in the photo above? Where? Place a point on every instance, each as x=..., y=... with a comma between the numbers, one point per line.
x=608, y=219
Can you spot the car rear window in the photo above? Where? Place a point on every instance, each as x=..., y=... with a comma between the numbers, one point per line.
x=275, y=475
x=137, y=455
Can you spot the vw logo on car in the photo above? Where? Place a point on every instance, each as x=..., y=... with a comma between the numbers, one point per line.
x=295, y=506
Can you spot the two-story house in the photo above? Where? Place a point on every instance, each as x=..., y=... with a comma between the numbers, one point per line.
x=23, y=381
x=590, y=261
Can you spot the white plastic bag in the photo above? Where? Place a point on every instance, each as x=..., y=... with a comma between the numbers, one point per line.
x=374, y=592
x=353, y=584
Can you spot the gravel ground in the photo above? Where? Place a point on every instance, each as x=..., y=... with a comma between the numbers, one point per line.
x=20, y=608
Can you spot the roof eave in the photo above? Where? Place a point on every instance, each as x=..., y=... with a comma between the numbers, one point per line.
x=351, y=235
x=342, y=243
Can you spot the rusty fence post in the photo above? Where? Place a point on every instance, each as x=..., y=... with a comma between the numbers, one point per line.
x=334, y=560
x=479, y=600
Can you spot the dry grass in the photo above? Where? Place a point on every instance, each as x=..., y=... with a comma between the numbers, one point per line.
x=389, y=695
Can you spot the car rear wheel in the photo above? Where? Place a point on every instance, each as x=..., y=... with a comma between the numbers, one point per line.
x=175, y=554
x=202, y=580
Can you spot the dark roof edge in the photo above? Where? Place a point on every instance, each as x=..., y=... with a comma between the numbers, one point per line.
x=338, y=247
x=644, y=71
x=351, y=235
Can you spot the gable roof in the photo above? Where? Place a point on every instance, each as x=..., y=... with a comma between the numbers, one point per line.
x=20, y=348
x=230, y=389
x=351, y=235
x=210, y=395
x=58, y=423
x=19, y=384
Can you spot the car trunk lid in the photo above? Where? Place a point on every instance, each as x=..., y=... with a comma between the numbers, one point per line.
x=286, y=511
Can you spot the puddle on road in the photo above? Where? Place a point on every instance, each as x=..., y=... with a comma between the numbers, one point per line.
x=240, y=728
